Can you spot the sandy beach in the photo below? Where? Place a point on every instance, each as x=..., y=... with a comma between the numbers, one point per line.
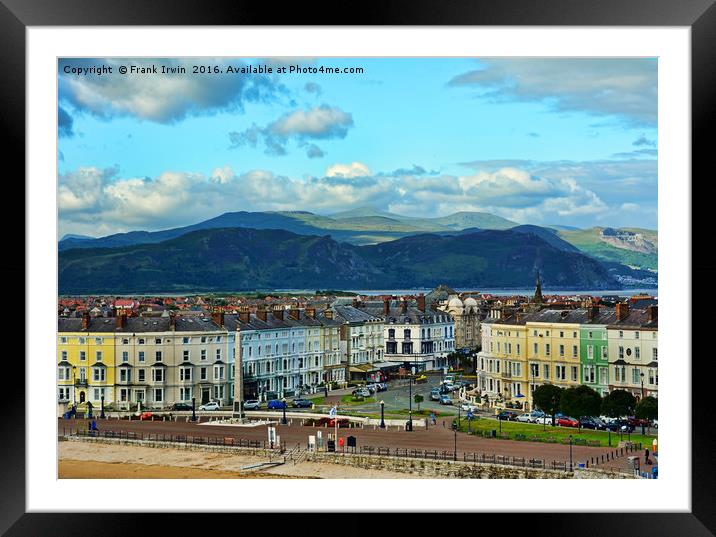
x=84, y=460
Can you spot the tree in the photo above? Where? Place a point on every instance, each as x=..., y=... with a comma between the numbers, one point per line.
x=618, y=403
x=580, y=401
x=647, y=409
x=547, y=398
x=418, y=399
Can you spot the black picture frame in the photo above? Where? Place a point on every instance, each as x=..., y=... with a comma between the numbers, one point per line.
x=699, y=15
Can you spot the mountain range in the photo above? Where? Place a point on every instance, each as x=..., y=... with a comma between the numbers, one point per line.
x=471, y=248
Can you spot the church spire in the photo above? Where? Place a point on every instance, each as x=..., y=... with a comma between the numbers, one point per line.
x=538, y=290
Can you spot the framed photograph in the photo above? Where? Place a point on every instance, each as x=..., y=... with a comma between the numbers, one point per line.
x=428, y=246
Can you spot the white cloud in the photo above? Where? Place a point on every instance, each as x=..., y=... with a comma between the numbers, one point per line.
x=625, y=88
x=354, y=169
x=162, y=98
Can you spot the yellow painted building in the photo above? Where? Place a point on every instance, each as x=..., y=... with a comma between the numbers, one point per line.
x=85, y=361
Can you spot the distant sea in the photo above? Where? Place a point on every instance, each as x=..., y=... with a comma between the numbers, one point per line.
x=503, y=292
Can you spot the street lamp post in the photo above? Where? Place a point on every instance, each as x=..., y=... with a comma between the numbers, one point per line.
x=193, y=409
x=283, y=419
x=101, y=409
x=455, y=433
x=382, y=415
x=570, y=454
x=410, y=398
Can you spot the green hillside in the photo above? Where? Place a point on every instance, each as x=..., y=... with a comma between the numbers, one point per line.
x=588, y=241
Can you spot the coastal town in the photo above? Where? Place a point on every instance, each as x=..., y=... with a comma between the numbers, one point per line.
x=159, y=351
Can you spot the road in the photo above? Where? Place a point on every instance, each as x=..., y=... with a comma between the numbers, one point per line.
x=439, y=438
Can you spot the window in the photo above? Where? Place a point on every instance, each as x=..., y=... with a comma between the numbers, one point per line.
x=140, y=341
x=535, y=349
x=590, y=352
x=157, y=374
x=202, y=373
x=82, y=341
x=561, y=334
x=203, y=354
x=574, y=373
x=99, y=356
x=203, y=339
x=139, y=395
x=98, y=341
x=561, y=350
x=218, y=339
x=534, y=370
x=654, y=354
x=218, y=353
x=158, y=340
x=621, y=353
x=560, y=372
x=63, y=340
x=621, y=334
x=185, y=340
x=63, y=354
x=140, y=376
x=124, y=395
x=185, y=394
x=546, y=349
x=125, y=375
x=158, y=395
x=518, y=349
x=218, y=372
x=605, y=353
x=186, y=356
x=590, y=335
x=141, y=356
x=158, y=356
x=636, y=335
x=653, y=377
x=98, y=394
x=83, y=356
x=619, y=373
x=125, y=357
x=635, y=376
x=125, y=341
x=575, y=352
x=218, y=392
x=637, y=352
x=589, y=374
x=406, y=333
x=602, y=375
x=574, y=335
x=98, y=374
x=63, y=373
x=546, y=371
x=185, y=373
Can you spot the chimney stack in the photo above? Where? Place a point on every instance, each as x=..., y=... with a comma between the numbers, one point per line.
x=85, y=320
x=262, y=313
x=294, y=313
x=311, y=312
x=386, y=306
x=172, y=320
x=328, y=314
x=121, y=320
x=218, y=317
x=244, y=314
x=421, y=302
x=622, y=311
x=278, y=312
x=653, y=312
x=356, y=302
x=403, y=306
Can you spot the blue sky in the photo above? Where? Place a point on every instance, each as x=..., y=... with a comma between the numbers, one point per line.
x=541, y=141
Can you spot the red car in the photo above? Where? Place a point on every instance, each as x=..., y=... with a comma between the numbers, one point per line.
x=566, y=421
x=342, y=422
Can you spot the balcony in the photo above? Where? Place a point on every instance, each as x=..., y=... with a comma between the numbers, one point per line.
x=506, y=375
x=81, y=382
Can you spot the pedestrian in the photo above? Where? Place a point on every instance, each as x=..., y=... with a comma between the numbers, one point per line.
x=443, y=424
x=646, y=456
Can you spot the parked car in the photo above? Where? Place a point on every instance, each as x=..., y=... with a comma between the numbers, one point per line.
x=535, y=415
x=212, y=405
x=445, y=400
x=468, y=407
x=382, y=387
x=435, y=395
x=566, y=421
x=638, y=422
x=507, y=415
x=276, y=404
x=252, y=404
x=181, y=406
x=445, y=388
x=590, y=422
x=372, y=388
x=525, y=418
x=544, y=420
x=302, y=403
x=361, y=392
x=624, y=426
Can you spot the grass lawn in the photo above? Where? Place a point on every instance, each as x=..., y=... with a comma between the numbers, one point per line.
x=541, y=433
x=317, y=400
x=349, y=400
